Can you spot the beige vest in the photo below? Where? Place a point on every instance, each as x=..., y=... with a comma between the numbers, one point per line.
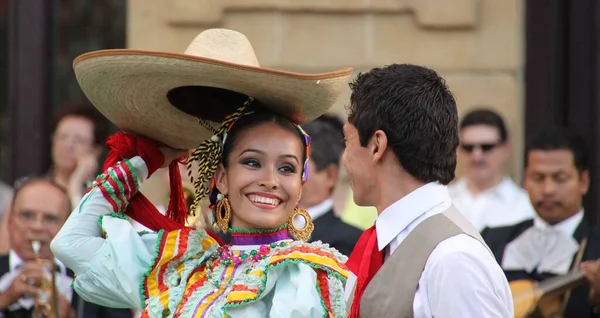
x=392, y=290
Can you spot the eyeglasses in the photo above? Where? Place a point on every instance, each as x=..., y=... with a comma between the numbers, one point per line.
x=485, y=147
x=28, y=217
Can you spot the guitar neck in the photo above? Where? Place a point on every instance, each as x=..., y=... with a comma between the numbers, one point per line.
x=561, y=283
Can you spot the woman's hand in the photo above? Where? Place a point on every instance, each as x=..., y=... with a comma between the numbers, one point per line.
x=171, y=154
x=87, y=166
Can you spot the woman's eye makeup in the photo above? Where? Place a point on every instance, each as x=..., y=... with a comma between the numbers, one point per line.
x=255, y=163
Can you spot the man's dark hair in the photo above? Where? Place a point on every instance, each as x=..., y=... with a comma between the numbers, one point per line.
x=485, y=117
x=83, y=110
x=417, y=112
x=558, y=138
x=327, y=140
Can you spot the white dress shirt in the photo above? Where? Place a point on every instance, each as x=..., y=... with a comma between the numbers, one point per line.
x=320, y=209
x=461, y=277
x=503, y=205
x=543, y=247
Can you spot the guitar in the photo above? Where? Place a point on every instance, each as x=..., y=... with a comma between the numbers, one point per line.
x=543, y=299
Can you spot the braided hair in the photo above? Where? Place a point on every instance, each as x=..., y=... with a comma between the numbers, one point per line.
x=209, y=155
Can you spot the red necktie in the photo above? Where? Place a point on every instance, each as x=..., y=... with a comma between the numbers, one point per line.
x=364, y=261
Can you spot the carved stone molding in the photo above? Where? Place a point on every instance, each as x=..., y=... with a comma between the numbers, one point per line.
x=427, y=13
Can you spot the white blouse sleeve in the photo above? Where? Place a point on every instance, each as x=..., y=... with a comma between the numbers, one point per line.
x=107, y=255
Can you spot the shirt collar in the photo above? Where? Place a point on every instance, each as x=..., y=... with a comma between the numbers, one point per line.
x=395, y=218
x=320, y=209
x=567, y=226
x=15, y=262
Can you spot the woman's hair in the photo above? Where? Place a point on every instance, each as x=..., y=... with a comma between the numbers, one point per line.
x=247, y=122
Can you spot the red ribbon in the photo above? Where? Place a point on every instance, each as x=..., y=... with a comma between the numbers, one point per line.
x=364, y=261
x=124, y=146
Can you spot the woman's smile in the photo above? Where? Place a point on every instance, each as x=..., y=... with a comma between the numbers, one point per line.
x=264, y=200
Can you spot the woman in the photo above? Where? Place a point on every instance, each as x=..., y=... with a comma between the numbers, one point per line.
x=255, y=162
x=77, y=135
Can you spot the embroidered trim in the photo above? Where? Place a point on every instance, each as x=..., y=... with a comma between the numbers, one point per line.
x=323, y=289
x=177, y=254
x=118, y=184
x=234, y=230
x=298, y=254
x=177, y=284
x=158, y=249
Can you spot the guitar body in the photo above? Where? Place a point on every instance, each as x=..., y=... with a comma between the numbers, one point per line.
x=525, y=295
x=543, y=299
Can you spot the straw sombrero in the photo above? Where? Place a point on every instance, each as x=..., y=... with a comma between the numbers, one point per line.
x=161, y=95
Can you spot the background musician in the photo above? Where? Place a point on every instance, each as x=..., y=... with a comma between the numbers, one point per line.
x=549, y=244
x=39, y=209
x=486, y=194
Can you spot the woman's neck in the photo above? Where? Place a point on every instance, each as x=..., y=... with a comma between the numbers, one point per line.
x=240, y=236
x=61, y=177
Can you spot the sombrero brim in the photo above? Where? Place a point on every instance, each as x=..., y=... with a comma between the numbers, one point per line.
x=130, y=88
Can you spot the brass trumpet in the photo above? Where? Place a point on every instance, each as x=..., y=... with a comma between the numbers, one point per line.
x=193, y=218
x=46, y=302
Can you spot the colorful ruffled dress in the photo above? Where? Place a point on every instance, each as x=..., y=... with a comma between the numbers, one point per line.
x=186, y=273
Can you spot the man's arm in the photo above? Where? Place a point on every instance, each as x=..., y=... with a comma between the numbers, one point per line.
x=464, y=280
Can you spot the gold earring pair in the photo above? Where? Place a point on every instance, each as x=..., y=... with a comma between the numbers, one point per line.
x=223, y=217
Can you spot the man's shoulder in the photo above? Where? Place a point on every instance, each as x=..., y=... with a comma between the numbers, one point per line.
x=461, y=270
x=347, y=230
x=337, y=227
x=504, y=234
x=457, y=245
x=463, y=255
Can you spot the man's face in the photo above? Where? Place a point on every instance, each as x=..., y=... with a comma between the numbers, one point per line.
x=556, y=188
x=39, y=211
x=483, y=155
x=360, y=168
x=319, y=186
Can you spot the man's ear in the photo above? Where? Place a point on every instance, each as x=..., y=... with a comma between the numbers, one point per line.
x=333, y=172
x=221, y=177
x=585, y=182
x=378, y=145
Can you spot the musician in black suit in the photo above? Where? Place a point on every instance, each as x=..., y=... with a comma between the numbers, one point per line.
x=327, y=145
x=38, y=210
x=558, y=238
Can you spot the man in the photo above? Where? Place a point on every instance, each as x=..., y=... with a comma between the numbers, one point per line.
x=557, y=238
x=401, y=140
x=486, y=195
x=327, y=145
x=38, y=211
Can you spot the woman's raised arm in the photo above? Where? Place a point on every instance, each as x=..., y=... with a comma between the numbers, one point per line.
x=99, y=244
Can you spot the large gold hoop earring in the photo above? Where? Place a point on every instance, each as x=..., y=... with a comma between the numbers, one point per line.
x=223, y=214
x=304, y=233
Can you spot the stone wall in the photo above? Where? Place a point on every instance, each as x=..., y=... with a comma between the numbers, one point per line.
x=475, y=44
